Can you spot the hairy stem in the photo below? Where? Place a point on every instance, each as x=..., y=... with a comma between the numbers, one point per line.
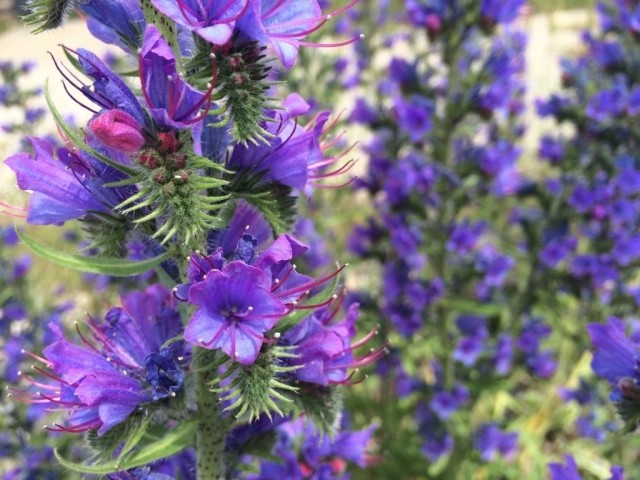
x=212, y=427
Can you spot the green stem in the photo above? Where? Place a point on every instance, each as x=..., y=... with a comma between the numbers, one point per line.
x=211, y=430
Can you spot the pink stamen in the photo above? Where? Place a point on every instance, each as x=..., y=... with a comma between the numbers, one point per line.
x=234, y=17
x=314, y=283
x=183, y=9
x=13, y=207
x=329, y=45
x=282, y=280
x=314, y=306
x=38, y=358
x=14, y=215
x=270, y=12
x=344, y=169
x=335, y=187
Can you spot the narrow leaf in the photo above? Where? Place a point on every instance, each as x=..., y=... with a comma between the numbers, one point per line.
x=116, y=267
x=172, y=442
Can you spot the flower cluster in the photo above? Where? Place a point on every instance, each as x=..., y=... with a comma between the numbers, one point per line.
x=192, y=180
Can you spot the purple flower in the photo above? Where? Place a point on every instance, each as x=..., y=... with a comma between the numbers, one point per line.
x=615, y=357
x=446, y=403
x=241, y=300
x=284, y=24
x=414, y=116
x=501, y=11
x=323, y=347
x=558, y=471
x=490, y=441
x=126, y=365
x=64, y=188
x=212, y=20
x=235, y=307
x=118, y=22
x=464, y=236
x=293, y=155
x=173, y=103
x=557, y=250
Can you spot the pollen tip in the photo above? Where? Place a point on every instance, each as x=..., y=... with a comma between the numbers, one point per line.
x=19, y=373
x=180, y=358
x=250, y=308
x=329, y=17
x=198, y=252
x=295, y=267
x=247, y=227
x=188, y=258
x=277, y=335
x=362, y=35
x=334, y=296
x=173, y=394
x=174, y=289
x=22, y=350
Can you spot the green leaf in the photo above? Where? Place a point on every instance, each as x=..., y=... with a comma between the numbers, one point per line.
x=116, y=267
x=77, y=141
x=171, y=442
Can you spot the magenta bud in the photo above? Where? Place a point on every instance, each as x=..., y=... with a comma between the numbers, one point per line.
x=118, y=130
x=433, y=24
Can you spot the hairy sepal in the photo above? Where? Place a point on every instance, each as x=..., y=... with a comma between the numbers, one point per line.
x=241, y=87
x=257, y=389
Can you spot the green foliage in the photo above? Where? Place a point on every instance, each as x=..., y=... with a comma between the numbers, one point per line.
x=322, y=405
x=178, y=190
x=166, y=26
x=130, y=432
x=258, y=388
x=272, y=199
x=238, y=76
x=150, y=448
x=115, y=267
x=47, y=14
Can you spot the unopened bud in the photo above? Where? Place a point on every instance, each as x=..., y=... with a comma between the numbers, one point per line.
x=168, y=142
x=118, y=130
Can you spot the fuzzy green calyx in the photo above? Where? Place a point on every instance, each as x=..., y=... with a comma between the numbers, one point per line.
x=180, y=191
x=258, y=388
x=239, y=77
x=47, y=14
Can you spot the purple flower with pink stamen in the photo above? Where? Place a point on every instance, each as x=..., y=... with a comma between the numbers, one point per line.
x=212, y=20
x=124, y=362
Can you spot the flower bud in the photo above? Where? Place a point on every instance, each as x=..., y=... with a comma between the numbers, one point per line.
x=169, y=143
x=118, y=130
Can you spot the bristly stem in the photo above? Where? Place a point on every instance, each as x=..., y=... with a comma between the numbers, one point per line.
x=211, y=430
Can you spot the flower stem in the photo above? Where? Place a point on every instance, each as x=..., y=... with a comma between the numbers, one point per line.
x=212, y=427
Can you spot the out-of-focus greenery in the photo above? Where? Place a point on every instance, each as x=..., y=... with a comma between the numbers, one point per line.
x=554, y=5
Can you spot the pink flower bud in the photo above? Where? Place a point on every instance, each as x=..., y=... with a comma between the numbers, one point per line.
x=118, y=130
